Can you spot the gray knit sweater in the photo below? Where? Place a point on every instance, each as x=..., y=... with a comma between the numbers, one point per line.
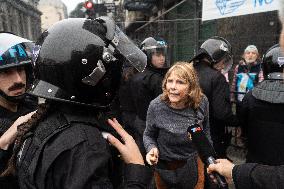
x=166, y=129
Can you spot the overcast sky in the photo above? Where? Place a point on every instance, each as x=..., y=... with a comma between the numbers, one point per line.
x=71, y=4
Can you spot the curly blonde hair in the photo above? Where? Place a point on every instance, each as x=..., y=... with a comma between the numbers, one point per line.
x=185, y=71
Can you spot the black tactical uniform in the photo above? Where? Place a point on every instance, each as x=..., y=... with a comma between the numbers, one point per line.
x=146, y=86
x=215, y=87
x=262, y=113
x=77, y=69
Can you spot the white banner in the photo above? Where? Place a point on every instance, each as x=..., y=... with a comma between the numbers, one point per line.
x=214, y=9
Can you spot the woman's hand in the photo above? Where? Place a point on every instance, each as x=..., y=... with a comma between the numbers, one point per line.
x=10, y=135
x=129, y=150
x=152, y=156
x=223, y=167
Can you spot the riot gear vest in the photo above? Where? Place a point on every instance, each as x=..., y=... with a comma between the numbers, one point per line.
x=28, y=159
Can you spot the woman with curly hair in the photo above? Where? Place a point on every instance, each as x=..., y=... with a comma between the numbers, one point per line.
x=168, y=148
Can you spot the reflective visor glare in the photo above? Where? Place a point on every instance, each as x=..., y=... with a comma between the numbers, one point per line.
x=130, y=51
x=159, y=51
x=228, y=64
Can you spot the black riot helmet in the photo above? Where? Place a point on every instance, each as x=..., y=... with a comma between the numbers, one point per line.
x=216, y=49
x=153, y=45
x=15, y=51
x=273, y=63
x=79, y=61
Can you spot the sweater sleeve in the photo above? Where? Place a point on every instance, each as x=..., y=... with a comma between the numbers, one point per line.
x=151, y=131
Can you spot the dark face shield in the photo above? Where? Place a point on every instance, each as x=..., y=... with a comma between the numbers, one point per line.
x=228, y=62
x=158, y=51
x=129, y=50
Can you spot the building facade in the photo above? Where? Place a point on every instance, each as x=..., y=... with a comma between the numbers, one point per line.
x=20, y=17
x=52, y=11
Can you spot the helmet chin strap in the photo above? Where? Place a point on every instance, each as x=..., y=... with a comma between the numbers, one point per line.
x=13, y=99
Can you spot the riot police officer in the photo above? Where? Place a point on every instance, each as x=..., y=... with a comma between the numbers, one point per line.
x=147, y=85
x=263, y=110
x=15, y=77
x=77, y=70
x=214, y=58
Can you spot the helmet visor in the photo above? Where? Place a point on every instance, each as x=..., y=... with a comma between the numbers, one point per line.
x=7, y=40
x=160, y=52
x=228, y=62
x=130, y=51
x=13, y=50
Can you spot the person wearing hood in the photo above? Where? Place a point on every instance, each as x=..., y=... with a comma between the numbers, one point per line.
x=147, y=85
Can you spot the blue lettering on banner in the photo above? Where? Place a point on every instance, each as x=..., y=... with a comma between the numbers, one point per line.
x=262, y=2
x=228, y=6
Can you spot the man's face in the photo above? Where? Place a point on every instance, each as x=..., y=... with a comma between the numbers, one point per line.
x=158, y=60
x=250, y=56
x=13, y=81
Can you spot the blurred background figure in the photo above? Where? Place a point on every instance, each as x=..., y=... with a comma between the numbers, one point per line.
x=247, y=74
x=213, y=59
x=147, y=85
x=127, y=106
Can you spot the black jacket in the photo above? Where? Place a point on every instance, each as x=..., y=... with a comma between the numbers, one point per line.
x=215, y=87
x=256, y=176
x=7, y=118
x=145, y=87
x=262, y=115
x=67, y=150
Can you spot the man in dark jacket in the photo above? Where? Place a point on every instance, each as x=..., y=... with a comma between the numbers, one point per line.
x=65, y=144
x=213, y=59
x=147, y=85
x=263, y=112
x=15, y=78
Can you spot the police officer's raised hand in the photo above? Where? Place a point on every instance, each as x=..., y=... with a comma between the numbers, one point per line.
x=223, y=167
x=9, y=136
x=129, y=150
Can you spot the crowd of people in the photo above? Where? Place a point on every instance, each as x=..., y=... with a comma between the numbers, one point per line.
x=73, y=139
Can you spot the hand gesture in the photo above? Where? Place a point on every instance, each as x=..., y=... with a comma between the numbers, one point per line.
x=152, y=156
x=129, y=150
x=9, y=136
